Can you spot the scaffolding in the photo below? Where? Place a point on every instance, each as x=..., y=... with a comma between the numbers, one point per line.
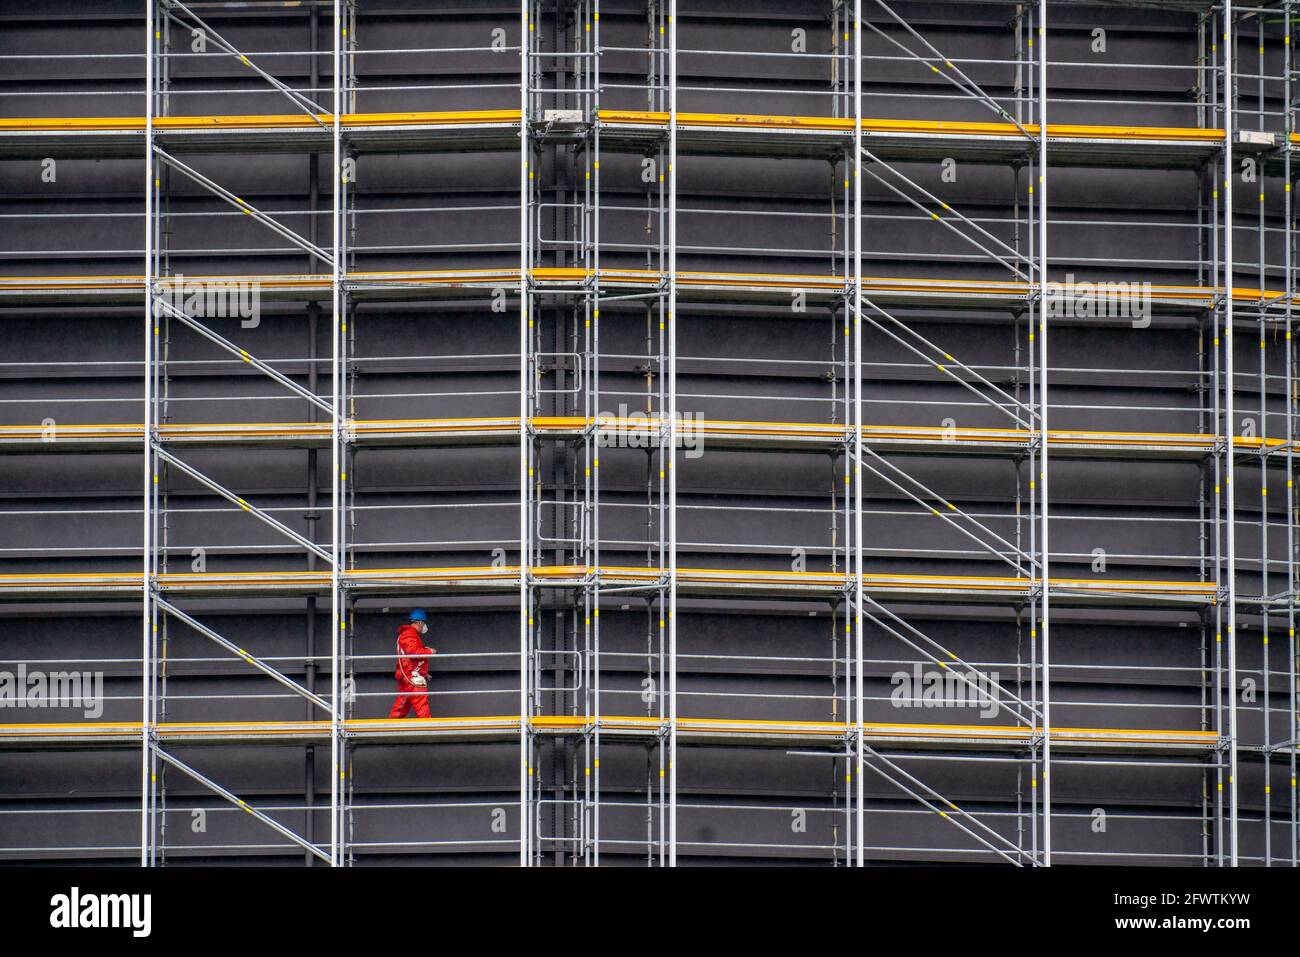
x=593, y=233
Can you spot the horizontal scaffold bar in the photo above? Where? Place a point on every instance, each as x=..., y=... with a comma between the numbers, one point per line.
x=708, y=730
x=634, y=117
x=689, y=580
x=254, y=121
x=950, y=127
x=497, y=129
x=126, y=437
x=691, y=285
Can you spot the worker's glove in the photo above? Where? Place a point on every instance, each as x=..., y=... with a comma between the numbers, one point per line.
x=418, y=681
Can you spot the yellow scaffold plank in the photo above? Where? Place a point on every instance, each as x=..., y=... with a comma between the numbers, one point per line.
x=567, y=573
x=131, y=124
x=933, y=127
x=754, y=429
x=758, y=282
x=217, y=730
x=1124, y=132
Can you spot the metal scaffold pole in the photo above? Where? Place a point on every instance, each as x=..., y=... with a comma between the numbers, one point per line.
x=592, y=595
x=1289, y=395
x=859, y=789
x=525, y=439
x=671, y=438
x=148, y=555
x=338, y=475
x=1228, y=425
x=1043, y=500
x=1213, y=399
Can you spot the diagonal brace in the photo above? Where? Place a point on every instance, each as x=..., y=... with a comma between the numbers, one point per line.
x=246, y=506
x=922, y=636
x=212, y=785
x=949, y=813
x=233, y=349
x=299, y=100
x=947, y=516
x=949, y=360
x=946, y=208
x=243, y=206
x=965, y=83
x=241, y=653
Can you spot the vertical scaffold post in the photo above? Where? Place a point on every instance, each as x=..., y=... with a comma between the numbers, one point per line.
x=1229, y=424
x=672, y=433
x=593, y=97
x=147, y=554
x=525, y=445
x=1289, y=454
x=859, y=793
x=1043, y=501
x=337, y=474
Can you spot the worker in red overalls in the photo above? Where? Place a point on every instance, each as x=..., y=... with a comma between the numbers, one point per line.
x=412, y=672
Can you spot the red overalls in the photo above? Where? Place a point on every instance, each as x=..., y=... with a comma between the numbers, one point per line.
x=411, y=695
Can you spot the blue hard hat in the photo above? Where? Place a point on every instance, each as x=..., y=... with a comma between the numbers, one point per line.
x=418, y=614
